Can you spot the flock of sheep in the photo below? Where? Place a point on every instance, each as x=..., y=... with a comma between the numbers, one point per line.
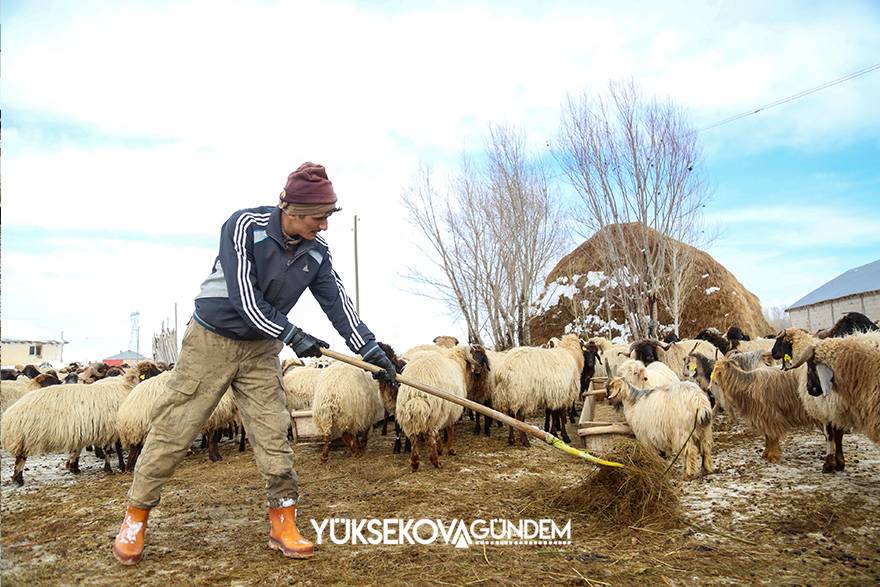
x=669, y=393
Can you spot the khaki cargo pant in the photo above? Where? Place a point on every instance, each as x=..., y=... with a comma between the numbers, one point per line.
x=209, y=365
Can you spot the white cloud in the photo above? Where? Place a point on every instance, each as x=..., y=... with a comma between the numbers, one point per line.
x=228, y=97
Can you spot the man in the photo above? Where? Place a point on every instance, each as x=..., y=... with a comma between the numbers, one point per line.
x=268, y=257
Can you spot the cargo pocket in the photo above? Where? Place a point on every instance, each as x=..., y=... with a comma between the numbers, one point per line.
x=182, y=387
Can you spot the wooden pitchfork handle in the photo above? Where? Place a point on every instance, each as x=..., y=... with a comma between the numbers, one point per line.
x=504, y=418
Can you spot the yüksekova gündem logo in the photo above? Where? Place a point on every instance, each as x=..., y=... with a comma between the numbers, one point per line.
x=457, y=533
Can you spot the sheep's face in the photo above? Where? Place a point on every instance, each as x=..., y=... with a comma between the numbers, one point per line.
x=645, y=351
x=71, y=378
x=446, y=341
x=477, y=366
x=689, y=367
x=31, y=371
x=782, y=348
x=45, y=380
x=147, y=369
x=736, y=333
x=616, y=391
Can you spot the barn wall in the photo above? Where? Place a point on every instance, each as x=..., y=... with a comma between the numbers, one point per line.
x=18, y=353
x=824, y=315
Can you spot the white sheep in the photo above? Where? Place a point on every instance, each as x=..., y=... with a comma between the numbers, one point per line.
x=533, y=378
x=346, y=403
x=133, y=418
x=670, y=418
x=422, y=416
x=299, y=387
x=654, y=375
x=12, y=390
x=67, y=418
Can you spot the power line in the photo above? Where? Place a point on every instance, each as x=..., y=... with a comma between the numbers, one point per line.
x=793, y=97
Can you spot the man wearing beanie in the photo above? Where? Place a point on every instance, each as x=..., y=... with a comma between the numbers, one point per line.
x=268, y=257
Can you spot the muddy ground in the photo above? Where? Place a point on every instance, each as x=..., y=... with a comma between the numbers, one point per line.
x=749, y=523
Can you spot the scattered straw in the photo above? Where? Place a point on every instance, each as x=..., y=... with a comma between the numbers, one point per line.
x=637, y=495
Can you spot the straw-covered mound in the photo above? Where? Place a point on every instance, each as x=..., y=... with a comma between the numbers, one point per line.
x=579, y=281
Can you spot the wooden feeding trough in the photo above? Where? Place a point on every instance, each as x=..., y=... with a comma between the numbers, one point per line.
x=599, y=435
x=305, y=431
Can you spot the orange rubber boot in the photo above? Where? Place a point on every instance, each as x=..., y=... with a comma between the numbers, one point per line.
x=285, y=536
x=129, y=545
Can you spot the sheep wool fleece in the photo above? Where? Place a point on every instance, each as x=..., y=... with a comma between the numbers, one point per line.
x=210, y=364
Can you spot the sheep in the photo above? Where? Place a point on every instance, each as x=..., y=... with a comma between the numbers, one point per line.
x=715, y=337
x=485, y=383
x=421, y=415
x=646, y=350
x=847, y=366
x=133, y=418
x=675, y=353
x=849, y=323
x=644, y=377
x=11, y=391
x=9, y=374
x=533, y=377
x=446, y=341
x=94, y=372
x=68, y=418
x=346, y=402
x=669, y=418
x=299, y=387
x=735, y=333
x=827, y=408
x=291, y=363
x=767, y=398
x=388, y=396
x=700, y=368
x=671, y=337
x=30, y=371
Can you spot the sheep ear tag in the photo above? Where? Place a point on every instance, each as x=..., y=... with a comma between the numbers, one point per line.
x=143, y=377
x=693, y=367
x=712, y=375
x=787, y=357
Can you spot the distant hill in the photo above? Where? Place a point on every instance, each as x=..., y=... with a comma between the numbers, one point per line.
x=573, y=299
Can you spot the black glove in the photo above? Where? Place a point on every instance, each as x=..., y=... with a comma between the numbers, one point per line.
x=306, y=345
x=373, y=354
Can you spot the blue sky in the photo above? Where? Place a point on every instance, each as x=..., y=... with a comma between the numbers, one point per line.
x=131, y=130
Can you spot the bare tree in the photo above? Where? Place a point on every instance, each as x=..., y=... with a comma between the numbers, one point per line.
x=636, y=165
x=777, y=317
x=492, y=233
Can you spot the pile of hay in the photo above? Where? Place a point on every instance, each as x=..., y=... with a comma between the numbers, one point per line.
x=640, y=494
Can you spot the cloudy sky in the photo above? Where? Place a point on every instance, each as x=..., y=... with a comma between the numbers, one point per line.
x=131, y=130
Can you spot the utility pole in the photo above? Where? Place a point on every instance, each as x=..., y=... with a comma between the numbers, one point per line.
x=357, y=283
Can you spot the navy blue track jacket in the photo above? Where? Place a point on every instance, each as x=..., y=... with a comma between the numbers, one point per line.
x=256, y=281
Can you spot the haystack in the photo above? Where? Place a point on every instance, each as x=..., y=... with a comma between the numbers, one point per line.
x=574, y=297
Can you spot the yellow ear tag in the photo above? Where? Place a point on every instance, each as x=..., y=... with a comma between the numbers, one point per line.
x=712, y=375
x=142, y=377
x=787, y=357
x=693, y=368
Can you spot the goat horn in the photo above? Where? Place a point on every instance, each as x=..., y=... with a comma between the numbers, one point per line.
x=696, y=344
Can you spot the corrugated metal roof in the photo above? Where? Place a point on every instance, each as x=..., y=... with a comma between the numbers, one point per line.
x=855, y=281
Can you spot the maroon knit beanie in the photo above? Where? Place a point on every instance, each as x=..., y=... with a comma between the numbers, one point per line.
x=308, y=185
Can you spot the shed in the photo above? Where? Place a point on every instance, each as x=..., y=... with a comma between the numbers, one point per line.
x=856, y=290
